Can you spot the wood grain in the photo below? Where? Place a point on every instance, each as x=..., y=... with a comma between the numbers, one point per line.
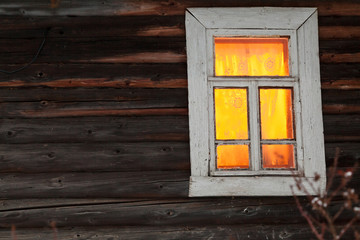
x=153, y=7
x=86, y=157
x=164, y=213
x=220, y=232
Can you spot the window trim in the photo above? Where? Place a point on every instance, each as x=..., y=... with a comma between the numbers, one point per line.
x=301, y=25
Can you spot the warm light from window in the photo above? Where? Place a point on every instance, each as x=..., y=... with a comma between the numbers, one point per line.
x=231, y=113
x=232, y=156
x=251, y=56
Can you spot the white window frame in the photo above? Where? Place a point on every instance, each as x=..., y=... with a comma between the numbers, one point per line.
x=300, y=25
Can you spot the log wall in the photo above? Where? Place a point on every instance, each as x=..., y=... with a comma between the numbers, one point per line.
x=94, y=134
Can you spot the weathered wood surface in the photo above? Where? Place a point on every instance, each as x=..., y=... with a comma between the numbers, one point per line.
x=338, y=128
x=93, y=185
x=96, y=129
x=220, y=232
x=153, y=7
x=164, y=213
x=104, y=157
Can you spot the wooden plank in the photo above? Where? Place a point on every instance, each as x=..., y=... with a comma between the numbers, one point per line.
x=97, y=129
x=98, y=75
x=105, y=157
x=92, y=50
x=167, y=96
x=340, y=58
x=343, y=84
x=153, y=7
x=341, y=102
x=349, y=153
x=339, y=32
x=91, y=26
x=342, y=71
x=220, y=232
x=164, y=213
x=154, y=184
x=339, y=128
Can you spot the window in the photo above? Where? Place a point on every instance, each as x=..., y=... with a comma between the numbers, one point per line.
x=254, y=100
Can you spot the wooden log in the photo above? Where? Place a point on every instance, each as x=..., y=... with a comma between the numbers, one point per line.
x=85, y=157
x=98, y=75
x=92, y=50
x=103, y=129
x=91, y=185
x=341, y=102
x=251, y=231
x=167, y=96
x=165, y=213
x=153, y=7
x=339, y=32
x=122, y=157
x=339, y=128
x=343, y=84
x=342, y=71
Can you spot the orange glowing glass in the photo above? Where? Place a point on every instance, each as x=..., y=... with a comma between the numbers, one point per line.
x=278, y=156
x=236, y=56
x=231, y=113
x=276, y=113
x=232, y=156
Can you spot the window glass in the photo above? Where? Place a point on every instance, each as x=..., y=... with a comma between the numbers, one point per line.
x=231, y=113
x=278, y=156
x=236, y=56
x=276, y=113
x=232, y=156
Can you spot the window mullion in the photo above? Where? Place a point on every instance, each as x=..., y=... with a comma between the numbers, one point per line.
x=254, y=126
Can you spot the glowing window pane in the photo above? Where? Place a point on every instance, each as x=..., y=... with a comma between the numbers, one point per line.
x=276, y=113
x=251, y=56
x=232, y=156
x=231, y=117
x=278, y=156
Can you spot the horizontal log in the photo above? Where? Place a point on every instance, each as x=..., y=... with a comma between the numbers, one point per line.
x=153, y=7
x=92, y=50
x=330, y=72
x=340, y=58
x=167, y=96
x=91, y=185
x=98, y=75
x=103, y=129
x=343, y=84
x=339, y=32
x=165, y=213
x=106, y=157
x=122, y=157
x=339, y=128
x=220, y=232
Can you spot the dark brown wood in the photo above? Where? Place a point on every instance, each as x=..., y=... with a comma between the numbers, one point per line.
x=98, y=75
x=86, y=130
x=220, y=232
x=339, y=128
x=153, y=7
x=106, y=157
x=164, y=213
x=93, y=185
